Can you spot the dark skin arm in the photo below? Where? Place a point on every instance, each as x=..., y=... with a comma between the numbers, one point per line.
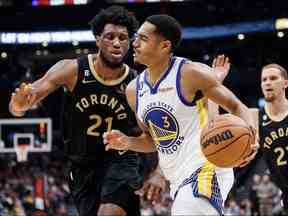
x=63, y=73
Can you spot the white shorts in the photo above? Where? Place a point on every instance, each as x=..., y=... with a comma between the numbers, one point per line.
x=203, y=193
x=186, y=204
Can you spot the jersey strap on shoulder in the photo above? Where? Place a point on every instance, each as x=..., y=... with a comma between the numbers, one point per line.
x=83, y=67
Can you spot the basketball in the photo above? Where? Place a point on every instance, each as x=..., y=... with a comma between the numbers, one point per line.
x=226, y=140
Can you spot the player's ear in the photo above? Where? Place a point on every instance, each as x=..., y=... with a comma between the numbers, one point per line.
x=97, y=40
x=166, y=45
x=286, y=84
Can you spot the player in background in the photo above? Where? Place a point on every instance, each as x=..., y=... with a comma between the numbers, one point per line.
x=273, y=126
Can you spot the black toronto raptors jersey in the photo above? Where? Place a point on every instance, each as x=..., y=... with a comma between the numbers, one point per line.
x=96, y=106
x=274, y=146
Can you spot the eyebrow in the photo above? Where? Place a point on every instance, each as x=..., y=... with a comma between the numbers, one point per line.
x=142, y=35
x=115, y=32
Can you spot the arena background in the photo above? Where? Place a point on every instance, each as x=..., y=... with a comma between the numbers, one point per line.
x=250, y=33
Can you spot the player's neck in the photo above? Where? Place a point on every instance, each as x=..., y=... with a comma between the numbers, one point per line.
x=277, y=108
x=158, y=68
x=106, y=72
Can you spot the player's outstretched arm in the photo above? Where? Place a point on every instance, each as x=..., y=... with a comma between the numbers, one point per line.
x=201, y=78
x=198, y=78
x=63, y=73
x=117, y=140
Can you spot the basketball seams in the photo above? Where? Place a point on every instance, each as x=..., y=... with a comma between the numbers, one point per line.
x=220, y=127
x=220, y=149
x=226, y=141
x=243, y=153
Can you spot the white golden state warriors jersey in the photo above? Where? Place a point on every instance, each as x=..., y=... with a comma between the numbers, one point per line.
x=173, y=122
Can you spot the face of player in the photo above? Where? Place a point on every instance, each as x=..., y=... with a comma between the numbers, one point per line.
x=113, y=44
x=148, y=46
x=273, y=84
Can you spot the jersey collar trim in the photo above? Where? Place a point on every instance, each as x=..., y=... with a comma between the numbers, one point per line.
x=153, y=89
x=107, y=82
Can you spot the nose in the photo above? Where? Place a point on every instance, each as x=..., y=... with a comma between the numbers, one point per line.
x=267, y=83
x=135, y=43
x=116, y=42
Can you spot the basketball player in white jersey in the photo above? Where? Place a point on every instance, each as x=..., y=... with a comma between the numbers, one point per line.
x=167, y=99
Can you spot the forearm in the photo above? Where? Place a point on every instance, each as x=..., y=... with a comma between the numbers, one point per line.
x=243, y=112
x=233, y=105
x=142, y=143
x=213, y=110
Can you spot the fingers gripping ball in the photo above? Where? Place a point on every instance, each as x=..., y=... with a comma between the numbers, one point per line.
x=226, y=140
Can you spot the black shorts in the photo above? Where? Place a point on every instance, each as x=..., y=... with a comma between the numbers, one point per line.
x=115, y=184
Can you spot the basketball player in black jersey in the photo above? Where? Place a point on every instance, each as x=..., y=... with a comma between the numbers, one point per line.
x=273, y=126
x=102, y=182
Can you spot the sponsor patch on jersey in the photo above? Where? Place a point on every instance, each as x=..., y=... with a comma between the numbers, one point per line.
x=165, y=89
x=264, y=123
x=87, y=78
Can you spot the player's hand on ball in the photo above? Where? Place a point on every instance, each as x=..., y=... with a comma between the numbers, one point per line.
x=116, y=140
x=153, y=187
x=23, y=97
x=254, y=150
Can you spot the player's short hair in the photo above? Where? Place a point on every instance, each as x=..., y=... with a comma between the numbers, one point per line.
x=116, y=15
x=168, y=27
x=282, y=70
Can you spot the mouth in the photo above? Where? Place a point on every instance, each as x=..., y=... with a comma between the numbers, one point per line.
x=116, y=54
x=269, y=90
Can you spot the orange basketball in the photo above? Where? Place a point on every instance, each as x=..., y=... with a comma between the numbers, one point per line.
x=226, y=140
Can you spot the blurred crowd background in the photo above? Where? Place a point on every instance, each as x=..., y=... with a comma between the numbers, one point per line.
x=36, y=34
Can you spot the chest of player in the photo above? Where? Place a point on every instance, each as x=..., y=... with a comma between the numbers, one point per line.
x=274, y=143
x=103, y=100
x=274, y=134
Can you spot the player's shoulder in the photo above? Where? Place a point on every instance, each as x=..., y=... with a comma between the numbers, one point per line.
x=63, y=66
x=193, y=69
x=196, y=66
x=67, y=63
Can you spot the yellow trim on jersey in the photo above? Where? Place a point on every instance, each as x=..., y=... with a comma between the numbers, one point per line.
x=107, y=82
x=205, y=178
x=202, y=112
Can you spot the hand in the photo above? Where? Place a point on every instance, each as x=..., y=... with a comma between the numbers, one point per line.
x=221, y=66
x=23, y=98
x=253, y=150
x=153, y=187
x=115, y=139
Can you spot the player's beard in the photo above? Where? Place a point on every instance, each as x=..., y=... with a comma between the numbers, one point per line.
x=109, y=63
x=270, y=98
